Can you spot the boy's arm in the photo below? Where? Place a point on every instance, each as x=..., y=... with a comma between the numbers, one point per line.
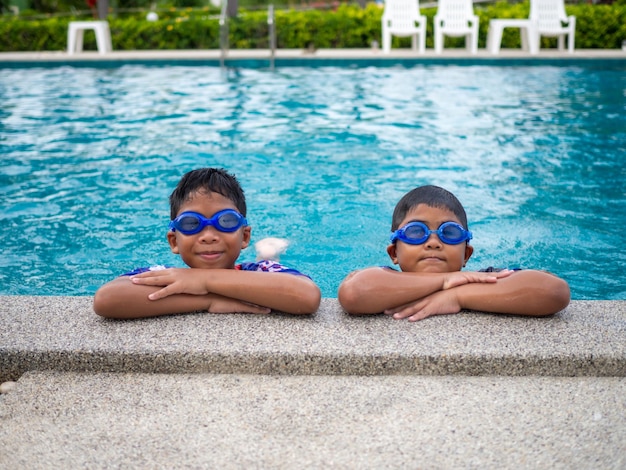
x=527, y=292
x=374, y=290
x=122, y=299
x=285, y=292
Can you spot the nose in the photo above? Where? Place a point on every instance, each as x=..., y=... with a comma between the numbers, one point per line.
x=433, y=241
x=209, y=234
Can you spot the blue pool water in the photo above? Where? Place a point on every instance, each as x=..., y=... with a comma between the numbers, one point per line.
x=89, y=156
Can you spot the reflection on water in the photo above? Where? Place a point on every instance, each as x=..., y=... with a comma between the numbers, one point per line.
x=89, y=157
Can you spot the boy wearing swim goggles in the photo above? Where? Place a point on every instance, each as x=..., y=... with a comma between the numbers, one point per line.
x=430, y=242
x=208, y=230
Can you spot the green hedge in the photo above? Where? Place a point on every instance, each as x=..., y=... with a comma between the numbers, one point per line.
x=349, y=26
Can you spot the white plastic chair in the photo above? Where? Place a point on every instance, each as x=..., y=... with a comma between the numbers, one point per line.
x=456, y=18
x=549, y=19
x=75, y=36
x=402, y=18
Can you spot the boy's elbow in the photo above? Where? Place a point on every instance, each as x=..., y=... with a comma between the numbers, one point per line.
x=105, y=303
x=349, y=298
x=313, y=300
x=100, y=304
x=561, y=296
x=309, y=303
x=556, y=297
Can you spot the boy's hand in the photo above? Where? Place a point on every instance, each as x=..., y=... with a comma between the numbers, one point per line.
x=459, y=278
x=442, y=302
x=174, y=280
x=185, y=281
x=445, y=301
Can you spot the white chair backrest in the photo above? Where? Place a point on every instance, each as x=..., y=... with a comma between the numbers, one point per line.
x=548, y=14
x=455, y=13
x=402, y=14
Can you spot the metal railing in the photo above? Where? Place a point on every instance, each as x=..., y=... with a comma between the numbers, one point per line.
x=271, y=26
x=223, y=33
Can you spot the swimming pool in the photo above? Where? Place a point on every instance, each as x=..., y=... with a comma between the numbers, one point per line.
x=90, y=155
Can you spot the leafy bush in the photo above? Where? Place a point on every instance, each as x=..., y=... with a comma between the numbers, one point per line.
x=348, y=26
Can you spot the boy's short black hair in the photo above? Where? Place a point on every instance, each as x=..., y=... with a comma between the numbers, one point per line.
x=209, y=180
x=432, y=196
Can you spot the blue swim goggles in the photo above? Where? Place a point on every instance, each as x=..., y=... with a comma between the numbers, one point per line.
x=416, y=233
x=190, y=223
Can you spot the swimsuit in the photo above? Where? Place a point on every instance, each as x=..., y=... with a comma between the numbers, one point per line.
x=263, y=265
x=490, y=269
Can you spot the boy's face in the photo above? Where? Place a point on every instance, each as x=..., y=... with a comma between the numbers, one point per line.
x=432, y=256
x=209, y=248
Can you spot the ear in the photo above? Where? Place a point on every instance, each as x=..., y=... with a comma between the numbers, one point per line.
x=171, y=239
x=246, y=235
x=469, y=249
x=392, y=252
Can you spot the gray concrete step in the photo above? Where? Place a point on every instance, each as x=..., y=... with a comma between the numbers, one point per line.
x=131, y=420
x=62, y=333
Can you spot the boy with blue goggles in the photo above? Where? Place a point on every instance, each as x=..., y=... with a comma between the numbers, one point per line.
x=430, y=280
x=213, y=280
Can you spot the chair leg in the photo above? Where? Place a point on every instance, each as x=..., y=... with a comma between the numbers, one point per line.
x=571, y=34
x=494, y=38
x=524, y=37
x=438, y=41
x=472, y=39
x=386, y=41
x=422, y=43
x=414, y=42
x=101, y=41
x=106, y=39
x=537, y=41
x=79, y=40
x=532, y=39
x=71, y=40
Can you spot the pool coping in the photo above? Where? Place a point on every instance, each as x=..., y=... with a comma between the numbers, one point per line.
x=63, y=334
x=260, y=58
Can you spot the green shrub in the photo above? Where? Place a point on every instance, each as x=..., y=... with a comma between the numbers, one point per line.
x=348, y=26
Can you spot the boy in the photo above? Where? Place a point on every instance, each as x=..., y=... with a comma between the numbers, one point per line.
x=430, y=243
x=208, y=230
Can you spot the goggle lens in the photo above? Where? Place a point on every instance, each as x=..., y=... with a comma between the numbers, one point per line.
x=187, y=224
x=416, y=233
x=190, y=223
x=229, y=220
x=452, y=232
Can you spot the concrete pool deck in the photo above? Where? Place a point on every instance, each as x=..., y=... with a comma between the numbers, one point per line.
x=327, y=390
